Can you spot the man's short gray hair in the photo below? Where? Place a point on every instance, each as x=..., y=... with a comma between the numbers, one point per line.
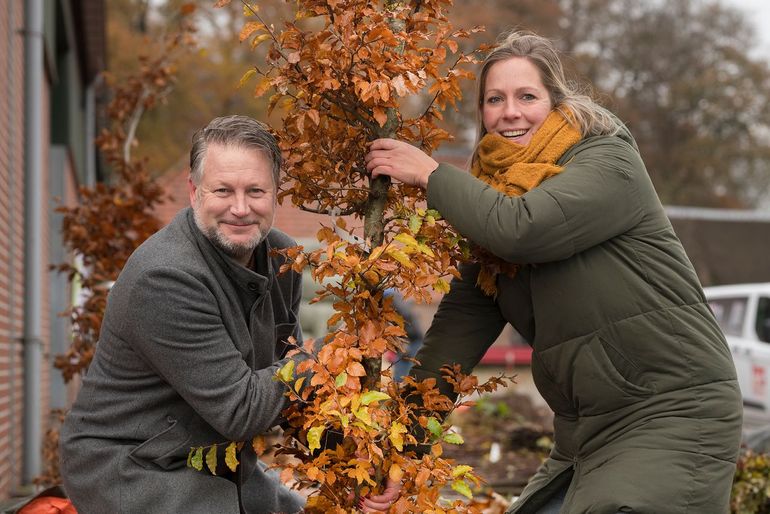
x=237, y=130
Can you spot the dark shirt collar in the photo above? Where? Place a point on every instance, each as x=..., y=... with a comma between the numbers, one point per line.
x=254, y=281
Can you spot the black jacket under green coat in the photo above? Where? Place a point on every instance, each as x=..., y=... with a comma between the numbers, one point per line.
x=625, y=349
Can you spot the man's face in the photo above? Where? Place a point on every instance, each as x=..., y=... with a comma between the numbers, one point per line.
x=234, y=204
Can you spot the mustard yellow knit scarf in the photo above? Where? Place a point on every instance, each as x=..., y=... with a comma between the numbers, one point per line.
x=514, y=169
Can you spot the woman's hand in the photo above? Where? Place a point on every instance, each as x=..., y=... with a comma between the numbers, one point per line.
x=382, y=502
x=401, y=161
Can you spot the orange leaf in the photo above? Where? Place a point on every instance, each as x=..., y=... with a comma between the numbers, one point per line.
x=395, y=472
x=313, y=115
x=287, y=474
x=249, y=29
x=380, y=116
x=422, y=477
x=355, y=369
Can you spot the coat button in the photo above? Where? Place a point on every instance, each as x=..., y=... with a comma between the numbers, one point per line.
x=253, y=286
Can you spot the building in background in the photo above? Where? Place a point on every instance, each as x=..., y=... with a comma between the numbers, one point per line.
x=51, y=54
x=726, y=246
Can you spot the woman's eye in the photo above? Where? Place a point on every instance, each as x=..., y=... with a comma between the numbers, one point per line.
x=493, y=99
x=528, y=97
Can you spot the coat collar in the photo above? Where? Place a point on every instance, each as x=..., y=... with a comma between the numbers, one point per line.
x=253, y=282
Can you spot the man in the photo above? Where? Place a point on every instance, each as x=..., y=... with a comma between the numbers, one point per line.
x=195, y=329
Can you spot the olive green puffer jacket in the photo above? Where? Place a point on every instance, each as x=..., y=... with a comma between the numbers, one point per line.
x=625, y=349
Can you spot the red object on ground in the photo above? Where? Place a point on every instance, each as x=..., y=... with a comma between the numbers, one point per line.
x=507, y=355
x=48, y=505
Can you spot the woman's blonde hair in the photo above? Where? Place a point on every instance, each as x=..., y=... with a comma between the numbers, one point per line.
x=590, y=118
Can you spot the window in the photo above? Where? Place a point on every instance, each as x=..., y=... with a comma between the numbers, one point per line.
x=730, y=313
x=763, y=319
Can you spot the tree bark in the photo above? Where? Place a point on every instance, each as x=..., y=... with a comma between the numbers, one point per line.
x=374, y=213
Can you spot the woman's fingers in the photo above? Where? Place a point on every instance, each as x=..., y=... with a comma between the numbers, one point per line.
x=400, y=161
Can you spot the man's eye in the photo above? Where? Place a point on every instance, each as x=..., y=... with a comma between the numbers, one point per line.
x=222, y=191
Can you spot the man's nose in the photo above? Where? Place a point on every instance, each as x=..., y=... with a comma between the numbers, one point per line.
x=239, y=207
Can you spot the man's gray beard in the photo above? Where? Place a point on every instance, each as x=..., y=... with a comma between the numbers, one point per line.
x=234, y=250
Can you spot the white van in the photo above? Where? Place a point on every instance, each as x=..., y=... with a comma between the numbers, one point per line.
x=743, y=312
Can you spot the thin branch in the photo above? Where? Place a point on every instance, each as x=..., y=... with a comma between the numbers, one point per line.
x=430, y=105
x=268, y=29
x=346, y=212
x=133, y=123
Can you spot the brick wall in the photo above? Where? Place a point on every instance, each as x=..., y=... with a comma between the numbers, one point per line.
x=11, y=243
x=12, y=250
x=45, y=300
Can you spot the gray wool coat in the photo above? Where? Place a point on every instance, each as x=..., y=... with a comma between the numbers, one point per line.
x=625, y=349
x=186, y=357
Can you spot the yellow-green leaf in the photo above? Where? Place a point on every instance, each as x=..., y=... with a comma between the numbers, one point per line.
x=341, y=379
x=454, y=438
x=230, y=457
x=426, y=250
x=401, y=257
x=434, y=427
x=246, y=76
x=314, y=437
x=407, y=240
x=373, y=396
x=461, y=487
x=197, y=459
x=415, y=223
x=298, y=384
x=441, y=286
x=247, y=9
x=396, y=435
x=211, y=459
x=286, y=373
x=461, y=471
x=259, y=39
x=363, y=415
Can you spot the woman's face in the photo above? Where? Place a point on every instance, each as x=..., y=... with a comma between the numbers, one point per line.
x=515, y=101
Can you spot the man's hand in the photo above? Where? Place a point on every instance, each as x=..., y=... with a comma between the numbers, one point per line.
x=382, y=502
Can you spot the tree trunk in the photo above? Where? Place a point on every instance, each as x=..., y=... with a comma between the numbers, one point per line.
x=374, y=214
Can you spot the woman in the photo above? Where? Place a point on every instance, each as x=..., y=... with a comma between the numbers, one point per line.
x=576, y=252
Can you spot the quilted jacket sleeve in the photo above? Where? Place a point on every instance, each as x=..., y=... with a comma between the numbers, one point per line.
x=596, y=197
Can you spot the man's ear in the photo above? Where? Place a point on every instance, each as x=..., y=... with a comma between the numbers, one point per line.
x=192, y=188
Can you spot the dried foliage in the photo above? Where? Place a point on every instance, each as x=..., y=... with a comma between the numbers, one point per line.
x=751, y=486
x=51, y=475
x=342, y=73
x=112, y=220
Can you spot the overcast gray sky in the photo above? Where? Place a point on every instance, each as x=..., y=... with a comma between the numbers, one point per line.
x=759, y=12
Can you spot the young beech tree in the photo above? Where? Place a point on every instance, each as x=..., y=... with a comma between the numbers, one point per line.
x=340, y=73
x=112, y=220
